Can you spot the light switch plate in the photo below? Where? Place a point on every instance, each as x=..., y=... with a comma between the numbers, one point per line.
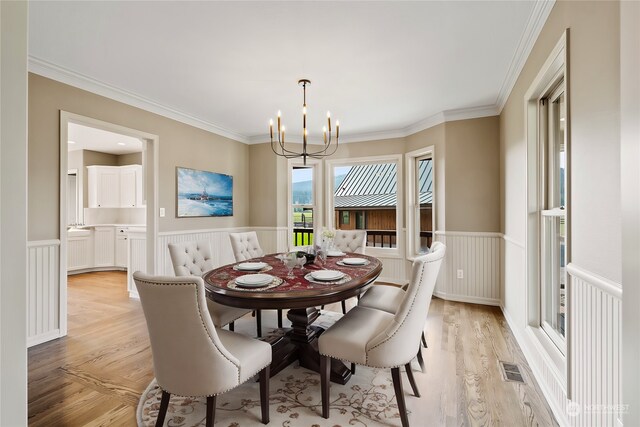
x=460, y=274
x=162, y=212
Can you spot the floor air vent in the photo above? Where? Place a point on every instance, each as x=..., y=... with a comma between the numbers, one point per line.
x=511, y=372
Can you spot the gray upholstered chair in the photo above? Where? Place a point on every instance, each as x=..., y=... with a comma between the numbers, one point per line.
x=350, y=241
x=191, y=357
x=389, y=298
x=247, y=246
x=379, y=339
x=195, y=259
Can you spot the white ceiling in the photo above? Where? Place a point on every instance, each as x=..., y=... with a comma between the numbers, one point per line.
x=380, y=67
x=88, y=138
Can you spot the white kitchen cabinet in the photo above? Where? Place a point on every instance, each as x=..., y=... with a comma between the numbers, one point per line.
x=104, y=246
x=79, y=250
x=104, y=186
x=115, y=186
x=121, y=247
x=131, y=186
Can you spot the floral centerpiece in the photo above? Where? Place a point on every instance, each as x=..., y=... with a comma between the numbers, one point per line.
x=327, y=236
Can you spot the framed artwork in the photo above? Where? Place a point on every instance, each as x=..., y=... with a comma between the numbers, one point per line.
x=202, y=193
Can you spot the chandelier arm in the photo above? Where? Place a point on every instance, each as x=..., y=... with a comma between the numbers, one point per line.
x=324, y=151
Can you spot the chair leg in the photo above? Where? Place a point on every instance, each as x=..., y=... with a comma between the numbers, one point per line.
x=264, y=394
x=280, y=318
x=322, y=307
x=344, y=307
x=259, y=323
x=164, y=405
x=420, y=359
x=353, y=368
x=211, y=410
x=412, y=380
x=424, y=341
x=397, y=385
x=253, y=313
x=232, y=326
x=325, y=373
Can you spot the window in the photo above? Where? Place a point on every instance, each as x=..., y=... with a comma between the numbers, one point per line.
x=553, y=209
x=423, y=209
x=344, y=219
x=302, y=204
x=420, y=201
x=367, y=189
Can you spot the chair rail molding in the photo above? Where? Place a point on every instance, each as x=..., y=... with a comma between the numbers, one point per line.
x=43, y=291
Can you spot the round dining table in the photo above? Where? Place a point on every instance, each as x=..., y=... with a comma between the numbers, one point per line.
x=302, y=295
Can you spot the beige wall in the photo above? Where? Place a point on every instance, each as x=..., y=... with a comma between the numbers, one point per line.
x=472, y=185
x=263, y=187
x=595, y=141
x=180, y=145
x=129, y=159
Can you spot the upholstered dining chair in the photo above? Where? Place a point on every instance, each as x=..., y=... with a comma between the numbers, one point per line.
x=246, y=246
x=191, y=357
x=389, y=298
x=195, y=259
x=350, y=241
x=379, y=339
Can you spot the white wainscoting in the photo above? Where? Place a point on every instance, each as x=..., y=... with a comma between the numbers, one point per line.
x=596, y=342
x=137, y=258
x=43, y=291
x=478, y=256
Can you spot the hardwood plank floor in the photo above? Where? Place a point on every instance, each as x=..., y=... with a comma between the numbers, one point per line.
x=95, y=375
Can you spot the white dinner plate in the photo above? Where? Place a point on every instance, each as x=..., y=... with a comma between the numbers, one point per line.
x=251, y=266
x=335, y=253
x=354, y=261
x=327, y=275
x=254, y=280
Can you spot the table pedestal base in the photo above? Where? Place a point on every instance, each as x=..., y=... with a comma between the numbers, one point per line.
x=301, y=343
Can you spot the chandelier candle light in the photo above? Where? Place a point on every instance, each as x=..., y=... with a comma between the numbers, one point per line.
x=278, y=145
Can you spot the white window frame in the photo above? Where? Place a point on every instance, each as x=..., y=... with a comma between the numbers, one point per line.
x=413, y=201
x=546, y=143
x=330, y=164
x=317, y=197
x=553, y=70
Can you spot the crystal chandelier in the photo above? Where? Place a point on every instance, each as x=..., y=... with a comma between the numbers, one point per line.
x=278, y=144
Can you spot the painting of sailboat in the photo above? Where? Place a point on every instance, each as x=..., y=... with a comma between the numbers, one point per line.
x=203, y=193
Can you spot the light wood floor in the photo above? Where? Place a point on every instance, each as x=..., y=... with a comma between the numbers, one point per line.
x=96, y=374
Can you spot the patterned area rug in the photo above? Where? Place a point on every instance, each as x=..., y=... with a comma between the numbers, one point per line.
x=368, y=399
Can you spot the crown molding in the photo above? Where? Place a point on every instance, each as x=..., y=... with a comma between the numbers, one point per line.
x=450, y=116
x=537, y=19
x=64, y=75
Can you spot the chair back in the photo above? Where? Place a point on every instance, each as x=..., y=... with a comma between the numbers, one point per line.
x=245, y=245
x=191, y=258
x=351, y=240
x=398, y=343
x=188, y=356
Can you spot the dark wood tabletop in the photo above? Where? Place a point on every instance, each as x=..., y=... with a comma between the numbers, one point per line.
x=292, y=293
x=302, y=298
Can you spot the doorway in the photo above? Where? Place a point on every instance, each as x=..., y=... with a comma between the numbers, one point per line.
x=108, y=197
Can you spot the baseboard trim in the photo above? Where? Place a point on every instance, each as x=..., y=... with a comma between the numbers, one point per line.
x=467, y=299
x=42, y=338
x=94, y=270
